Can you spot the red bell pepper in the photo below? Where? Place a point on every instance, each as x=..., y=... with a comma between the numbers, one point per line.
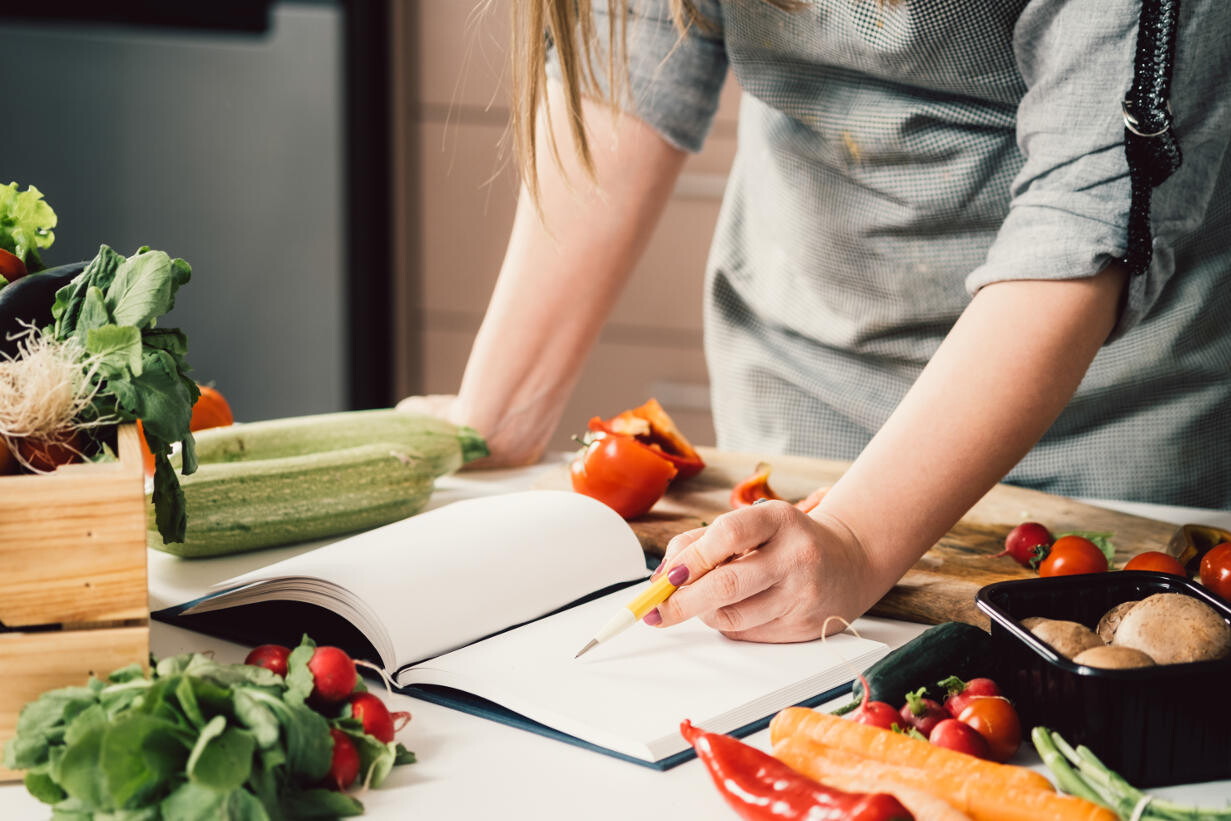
x=650, y=425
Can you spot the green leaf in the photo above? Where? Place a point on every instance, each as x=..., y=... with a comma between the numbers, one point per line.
x=299, y=679
x=318, y=803
x=26, y=221
x=69, y=299
x=141, y=757
x=194, y=802
x=224, y=761
x=94, y=314
x=170, y=506
x=143, y=289
x=403, y=755
x=42, y=722
x=209, y=732
x=132, y=672
x=43, y=787
x=1101, y=540
x=309, y=747
x=258, y=717
x=79, y=772
x=120, y=349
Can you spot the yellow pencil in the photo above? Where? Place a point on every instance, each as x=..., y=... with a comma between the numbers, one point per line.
x=632, y=612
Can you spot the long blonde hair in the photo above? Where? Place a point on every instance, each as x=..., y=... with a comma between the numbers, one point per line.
x=569, y=26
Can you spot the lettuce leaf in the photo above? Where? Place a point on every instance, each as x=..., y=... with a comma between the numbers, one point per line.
x=26, y=221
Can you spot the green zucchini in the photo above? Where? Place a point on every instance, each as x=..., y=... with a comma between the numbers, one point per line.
x=443, y=445
x=234, y=507
x=948, y=649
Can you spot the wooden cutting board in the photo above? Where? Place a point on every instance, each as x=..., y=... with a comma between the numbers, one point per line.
x=942, y=585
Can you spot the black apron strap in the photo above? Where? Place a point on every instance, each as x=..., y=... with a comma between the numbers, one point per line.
x=1149, y=144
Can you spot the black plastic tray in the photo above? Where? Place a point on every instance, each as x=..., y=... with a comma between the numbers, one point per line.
x=1153, y=725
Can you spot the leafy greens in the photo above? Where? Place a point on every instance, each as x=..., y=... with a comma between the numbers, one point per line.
x=26, y=221
x=111, y=308
x=195, y=740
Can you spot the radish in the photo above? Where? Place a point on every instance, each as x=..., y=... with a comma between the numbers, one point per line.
x=875, y=713
x=922, y=713
x=954, y=735
x=375, y=717
x=962, y=693
x=344, y=765
x=270, y=656
x=333, y=674
x=1024, y=540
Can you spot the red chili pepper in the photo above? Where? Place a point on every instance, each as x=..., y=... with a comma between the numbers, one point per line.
x=759, y=787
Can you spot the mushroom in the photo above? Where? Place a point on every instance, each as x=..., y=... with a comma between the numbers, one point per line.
x=1068, y=638
x=1173, y=628
x=1113, y=658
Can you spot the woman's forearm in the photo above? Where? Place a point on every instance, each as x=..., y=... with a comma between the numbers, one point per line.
x=560, y=277
x=997, y=382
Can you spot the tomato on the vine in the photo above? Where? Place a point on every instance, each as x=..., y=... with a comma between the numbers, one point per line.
x=1156, y=561
x=622, y=473
x=994, y=718
x=1071, y=555
x=1216, y=570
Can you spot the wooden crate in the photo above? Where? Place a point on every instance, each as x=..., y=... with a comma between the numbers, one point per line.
x=73, y=597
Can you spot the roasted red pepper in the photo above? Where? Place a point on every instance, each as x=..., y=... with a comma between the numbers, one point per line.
x=650, y=425
x=759, y=787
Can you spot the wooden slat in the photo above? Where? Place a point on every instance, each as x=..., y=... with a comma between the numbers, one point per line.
x=33, y=663
x=72, y=543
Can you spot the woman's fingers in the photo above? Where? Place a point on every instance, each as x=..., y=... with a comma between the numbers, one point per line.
x=677, y=543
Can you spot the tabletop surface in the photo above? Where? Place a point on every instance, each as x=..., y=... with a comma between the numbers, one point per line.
x=469, y=767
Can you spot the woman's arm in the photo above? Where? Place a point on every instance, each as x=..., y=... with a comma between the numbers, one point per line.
x=560, y=277
x=998, y=381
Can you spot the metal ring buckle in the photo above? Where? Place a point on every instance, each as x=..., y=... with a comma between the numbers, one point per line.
x=1131, y=122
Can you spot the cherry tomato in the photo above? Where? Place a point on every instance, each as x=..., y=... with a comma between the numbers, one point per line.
x=11, y=266
x=877, y=714
x=1071, y=555
x=1216, y=570
x=1157, y=561
x=621, y=473
x=754, y=487
x=210, y=411
x=954, y=735
x=994, y=718
x=1023, y=539
x=270, y=656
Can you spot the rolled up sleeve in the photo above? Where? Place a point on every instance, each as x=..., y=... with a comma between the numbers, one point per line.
x=673, y=82
x=1068, y=216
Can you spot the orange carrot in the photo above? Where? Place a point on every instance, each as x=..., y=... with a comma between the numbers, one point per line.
x=895, y=748
x=982, y=798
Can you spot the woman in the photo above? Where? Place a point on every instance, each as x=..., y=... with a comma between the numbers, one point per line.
x=916, y=267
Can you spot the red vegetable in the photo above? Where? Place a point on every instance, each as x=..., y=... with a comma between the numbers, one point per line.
x=1156, y=561
x=962, y=692
x=1216, y=570
x=374, y=715
x=994, y=718
x=48, y=454
x=759, y=787
x=210, y=411
x=954, y=735
x=875, y=713
x=1022, y=541
x=270, y=656
x=344, y=766
x=11, y=266
x=621, y=473
x=650, y=425
x=333, y=674
x=922, y=713
x=1071, y=555
x=755, y=487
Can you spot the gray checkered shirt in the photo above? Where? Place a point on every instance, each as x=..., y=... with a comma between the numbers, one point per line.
x=893, y=158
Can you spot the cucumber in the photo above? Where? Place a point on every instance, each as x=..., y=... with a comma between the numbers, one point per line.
x=235, y=507
x=948, y=649
x=443, y=445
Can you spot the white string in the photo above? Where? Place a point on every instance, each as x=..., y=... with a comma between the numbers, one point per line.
x=845, y=662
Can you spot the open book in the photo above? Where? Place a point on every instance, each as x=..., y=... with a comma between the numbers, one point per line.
x=483, y=603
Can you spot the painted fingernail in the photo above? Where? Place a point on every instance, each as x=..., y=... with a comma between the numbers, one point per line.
x=653, y=618
x=678, y=575
x=658, y=570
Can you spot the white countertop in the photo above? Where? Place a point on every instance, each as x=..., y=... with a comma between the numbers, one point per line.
x=471, y=768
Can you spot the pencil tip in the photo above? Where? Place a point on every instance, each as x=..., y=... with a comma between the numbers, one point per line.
x=586, y=648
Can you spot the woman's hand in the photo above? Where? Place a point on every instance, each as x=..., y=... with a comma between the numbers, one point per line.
x=769, y=573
